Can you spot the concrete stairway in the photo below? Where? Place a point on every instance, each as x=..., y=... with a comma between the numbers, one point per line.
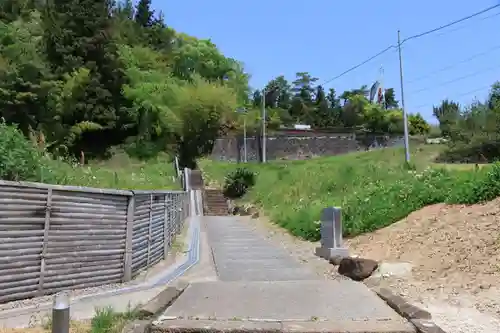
x=214, y=203
x=196, y=180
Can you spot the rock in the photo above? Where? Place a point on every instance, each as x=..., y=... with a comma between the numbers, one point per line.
x=234, y=210
x=255, y=215
x=357, y=269
x=335, y=260
x=388, y=269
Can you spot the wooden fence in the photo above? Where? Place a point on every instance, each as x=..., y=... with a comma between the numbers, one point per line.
x=55, y=238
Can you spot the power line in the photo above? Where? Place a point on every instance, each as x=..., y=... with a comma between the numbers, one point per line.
x=359, y=65
x=465, y=26
x=450, y=24
x=455, y=96
x=443, y=69
x=457, y=79
x=410, y=38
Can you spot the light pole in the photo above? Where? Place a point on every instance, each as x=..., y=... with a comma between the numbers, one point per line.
x=244, y=111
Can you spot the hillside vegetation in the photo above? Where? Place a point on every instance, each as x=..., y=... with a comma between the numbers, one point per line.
x=22, y=160
x=84, y=77
x=374, y=189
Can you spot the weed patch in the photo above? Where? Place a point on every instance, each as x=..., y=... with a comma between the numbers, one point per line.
x=374, y=189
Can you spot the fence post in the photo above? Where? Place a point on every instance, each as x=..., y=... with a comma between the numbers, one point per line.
x=46, y=229
x=166, y=237
x=129, y=235
x=150, y=231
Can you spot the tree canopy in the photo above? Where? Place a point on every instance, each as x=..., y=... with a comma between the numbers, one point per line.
x=87, y=75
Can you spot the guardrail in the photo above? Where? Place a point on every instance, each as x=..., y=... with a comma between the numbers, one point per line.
x=55, y=238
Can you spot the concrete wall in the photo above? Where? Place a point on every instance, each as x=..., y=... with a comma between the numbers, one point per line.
x=298, y=147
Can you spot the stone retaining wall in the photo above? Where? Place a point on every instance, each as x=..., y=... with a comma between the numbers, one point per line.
x=298, y=147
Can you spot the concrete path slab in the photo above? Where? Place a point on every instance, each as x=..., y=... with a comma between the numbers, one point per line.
x=259, y=285
x=300, y=306
x=255, y=260
x=281, y=301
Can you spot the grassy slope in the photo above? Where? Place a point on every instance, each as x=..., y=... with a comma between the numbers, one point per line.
x=374, y=188
x=120, y=172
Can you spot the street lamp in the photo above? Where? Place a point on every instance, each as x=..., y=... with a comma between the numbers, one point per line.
x=244, y=111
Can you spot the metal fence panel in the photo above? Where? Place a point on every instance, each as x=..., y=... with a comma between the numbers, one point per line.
x=55, y=238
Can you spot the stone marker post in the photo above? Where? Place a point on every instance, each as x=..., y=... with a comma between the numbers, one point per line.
x=331, y=234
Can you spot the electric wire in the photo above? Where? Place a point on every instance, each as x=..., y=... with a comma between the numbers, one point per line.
x=422, y=34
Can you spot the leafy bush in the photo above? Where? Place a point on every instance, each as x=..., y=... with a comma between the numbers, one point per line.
x=238, y=182
x=19, y=158
x=480, y=151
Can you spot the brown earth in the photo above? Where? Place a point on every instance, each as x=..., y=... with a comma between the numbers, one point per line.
x=455, y=251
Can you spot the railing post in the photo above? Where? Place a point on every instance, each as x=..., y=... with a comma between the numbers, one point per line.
x=166, y=235
x=150, y=231
x=46, y=230
x=186, y=179
x=129, y=234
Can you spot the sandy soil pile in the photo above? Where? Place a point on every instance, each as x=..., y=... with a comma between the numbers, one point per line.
x=455, y=251
x=454, y=245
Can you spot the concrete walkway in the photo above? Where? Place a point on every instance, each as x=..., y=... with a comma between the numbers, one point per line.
x=251, y=284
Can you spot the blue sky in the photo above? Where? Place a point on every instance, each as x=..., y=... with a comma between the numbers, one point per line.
x=327, y=37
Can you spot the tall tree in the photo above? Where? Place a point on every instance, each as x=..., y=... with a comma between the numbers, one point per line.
x=494, y=97
x=302, y=102
x=281, y=96
x=390, y=99
x=323, y=115
x=78, y=35
x=144, y=15
x=448, y=114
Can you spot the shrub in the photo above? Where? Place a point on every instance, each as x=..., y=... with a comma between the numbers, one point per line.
x=476, y=187
x=19, y=158
x=238, y=182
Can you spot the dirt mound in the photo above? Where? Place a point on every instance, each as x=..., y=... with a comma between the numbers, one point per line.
x=455, y=252
x=455, y=245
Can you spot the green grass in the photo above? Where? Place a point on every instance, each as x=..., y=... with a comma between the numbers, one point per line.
x=374, y=188
x=24, y=160
x=120, y=172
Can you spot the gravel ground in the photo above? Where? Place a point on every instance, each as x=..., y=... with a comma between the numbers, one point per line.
x=455, y=251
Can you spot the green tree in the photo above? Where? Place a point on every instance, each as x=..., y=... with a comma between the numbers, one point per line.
x=494, y=96
x=302, y=102
x=390, y=99
x=417, y=125
x=144, y=15
x=77, y=35
x=447, y=114
x=25, y=80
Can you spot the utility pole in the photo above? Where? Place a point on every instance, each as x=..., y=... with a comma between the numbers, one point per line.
x=405, y=116
x=264, y=145
x=244, y=112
